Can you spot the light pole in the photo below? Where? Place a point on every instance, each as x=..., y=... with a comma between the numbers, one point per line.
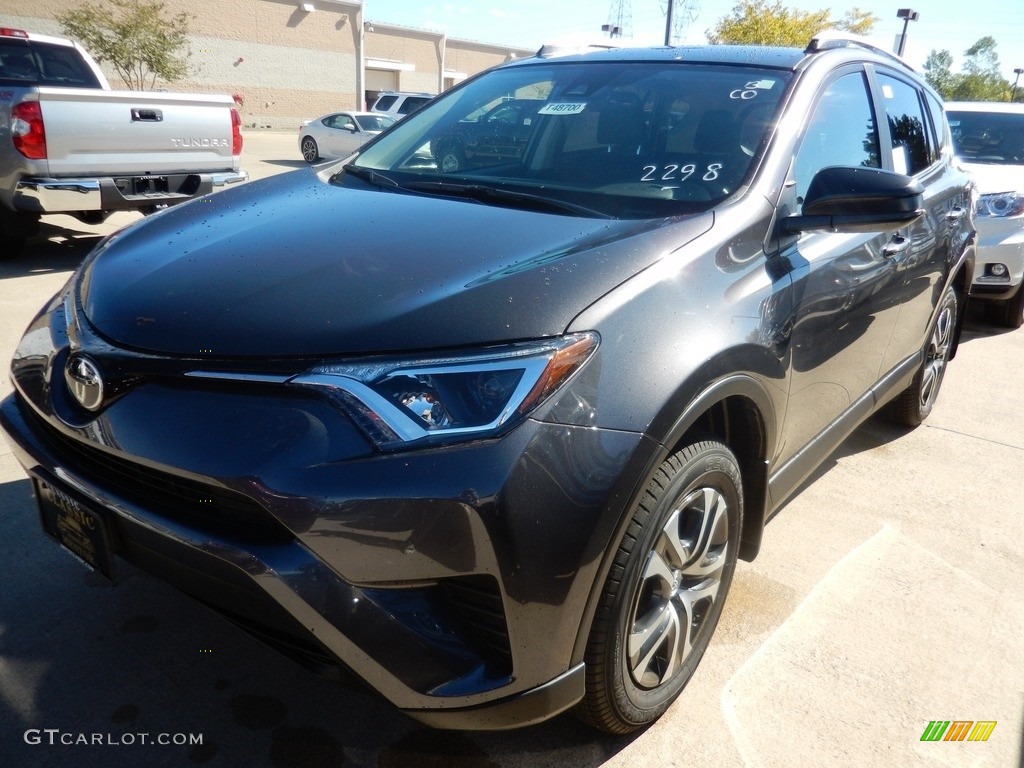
x=1013, y=91
x=908, y=15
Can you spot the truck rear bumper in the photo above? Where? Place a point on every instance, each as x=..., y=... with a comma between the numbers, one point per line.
x=49, y=195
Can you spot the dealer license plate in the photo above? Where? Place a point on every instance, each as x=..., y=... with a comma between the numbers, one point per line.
x=80, y=529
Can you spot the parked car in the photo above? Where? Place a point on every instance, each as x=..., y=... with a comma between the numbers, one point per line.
x=498, y=133
x=339, y=134
x=70, y=144
x=493, y=440
x=989, y=140
x=398, y=104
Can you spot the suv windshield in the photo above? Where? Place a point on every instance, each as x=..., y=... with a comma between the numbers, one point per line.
x=988, y=137
x=644, y=140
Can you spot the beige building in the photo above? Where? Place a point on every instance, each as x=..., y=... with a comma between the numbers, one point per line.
x=289, y=60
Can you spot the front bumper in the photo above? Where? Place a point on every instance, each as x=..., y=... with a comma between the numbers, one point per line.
x=128, y=192
x=1000, y=241
x=452, y=580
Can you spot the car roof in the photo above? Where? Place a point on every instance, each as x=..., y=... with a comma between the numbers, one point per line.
x=754, y=55
x=852, y=47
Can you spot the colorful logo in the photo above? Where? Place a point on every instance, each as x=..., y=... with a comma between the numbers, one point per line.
x=958, y=730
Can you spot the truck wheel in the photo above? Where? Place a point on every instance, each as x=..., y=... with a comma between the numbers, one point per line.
x=912, y=405
x=15, y=228
x=664, y=594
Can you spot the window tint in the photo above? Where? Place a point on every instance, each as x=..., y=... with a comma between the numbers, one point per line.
x=913, y=148
x=412, y=103
x=841, y=131
x=988, y=137
x=384, y=103
x=43, y=64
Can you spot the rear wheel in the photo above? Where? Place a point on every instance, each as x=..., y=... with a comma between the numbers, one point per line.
x=310, y=151
x=666, y=588
x=913, y=405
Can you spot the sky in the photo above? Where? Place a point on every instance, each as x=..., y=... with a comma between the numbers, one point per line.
x=943, y=24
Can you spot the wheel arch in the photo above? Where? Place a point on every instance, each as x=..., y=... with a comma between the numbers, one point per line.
x=961, y=280
x=736, y=411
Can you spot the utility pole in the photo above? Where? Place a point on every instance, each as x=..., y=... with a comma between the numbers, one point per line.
x=678, y=20
x=620, y=20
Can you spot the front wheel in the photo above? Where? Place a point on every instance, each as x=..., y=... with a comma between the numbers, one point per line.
x=1011, y=313
x=310, y=151
x=912, y=405
x=451, y=159
x=666, y=588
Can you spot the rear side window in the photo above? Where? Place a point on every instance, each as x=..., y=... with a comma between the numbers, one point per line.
x=938, y=120
x=384, y=103
x=412, y=103
x=35, y=63
x=912, y=145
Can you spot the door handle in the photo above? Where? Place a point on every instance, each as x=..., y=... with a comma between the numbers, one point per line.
x=896, y=247
x=956, y=214
x=147, y=115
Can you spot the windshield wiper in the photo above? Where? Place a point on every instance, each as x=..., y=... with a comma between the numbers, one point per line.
x=368, y=174
x=486, y=194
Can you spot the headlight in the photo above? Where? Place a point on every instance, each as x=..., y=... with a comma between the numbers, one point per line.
x=1001, y=205
x=399, y=401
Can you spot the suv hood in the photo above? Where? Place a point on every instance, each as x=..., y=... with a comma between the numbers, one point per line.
x=292, y=266
x=993, y=179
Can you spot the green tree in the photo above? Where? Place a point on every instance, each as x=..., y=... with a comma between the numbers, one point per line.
x=760, y=22
x=979, y=80
x=938, y=71
x=134, y=37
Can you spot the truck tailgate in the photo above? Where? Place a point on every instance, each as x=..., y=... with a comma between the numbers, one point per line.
x=92, y=131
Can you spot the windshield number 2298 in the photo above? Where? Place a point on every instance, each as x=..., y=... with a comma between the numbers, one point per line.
x=673, y=172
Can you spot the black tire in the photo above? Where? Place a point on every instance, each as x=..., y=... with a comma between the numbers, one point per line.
x=310, y=151
x=15, y=229
x=672, y=569
x=11, y=247
x=912, y=405
x=451, y=158
x=1012, y=314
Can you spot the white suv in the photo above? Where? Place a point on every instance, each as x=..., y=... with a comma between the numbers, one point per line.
x=398, y=104
x=988, y=138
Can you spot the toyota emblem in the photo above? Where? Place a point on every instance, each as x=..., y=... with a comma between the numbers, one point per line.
x=84, y=381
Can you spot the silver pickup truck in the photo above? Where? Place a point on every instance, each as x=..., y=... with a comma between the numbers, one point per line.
x=70, y=144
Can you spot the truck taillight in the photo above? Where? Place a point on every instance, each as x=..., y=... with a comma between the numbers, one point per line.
x=236, y=132
x=27, y=132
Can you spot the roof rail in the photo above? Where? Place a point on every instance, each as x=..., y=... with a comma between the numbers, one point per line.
x=834, y=38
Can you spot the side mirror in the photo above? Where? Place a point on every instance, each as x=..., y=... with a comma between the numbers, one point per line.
x=848, y=199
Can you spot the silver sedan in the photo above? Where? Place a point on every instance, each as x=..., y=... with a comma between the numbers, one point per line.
x=339, y=134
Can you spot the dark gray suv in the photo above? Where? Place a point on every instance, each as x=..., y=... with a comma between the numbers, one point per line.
x=492, y=436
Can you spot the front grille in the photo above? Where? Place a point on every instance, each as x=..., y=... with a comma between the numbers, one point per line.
x=205, y=507
x=478, y=601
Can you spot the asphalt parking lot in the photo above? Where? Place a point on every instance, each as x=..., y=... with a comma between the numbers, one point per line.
x=888, y=594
